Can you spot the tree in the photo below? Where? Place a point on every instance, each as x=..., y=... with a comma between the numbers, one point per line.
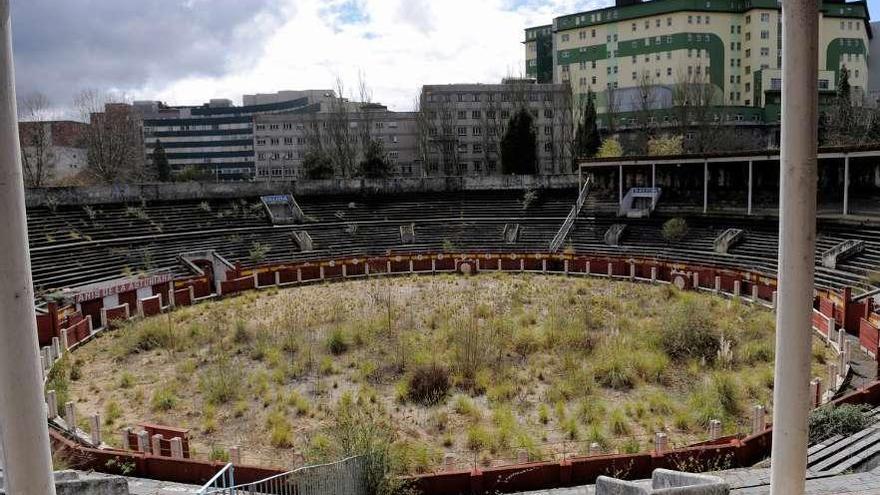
x=518, y=146
x=587, y=140
x=375, y=163
x=610, y=149
x=317, y=165
x=665, y=145
x=113, y=138
x=35, y=137
x=160, y=162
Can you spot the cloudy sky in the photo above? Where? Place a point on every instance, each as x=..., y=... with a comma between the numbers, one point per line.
x=188, y=51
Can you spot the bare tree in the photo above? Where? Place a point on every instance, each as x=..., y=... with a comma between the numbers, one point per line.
x=612, y=105
x=113, y=137
x=340, y=141
x=693, y=98
x=35, y=135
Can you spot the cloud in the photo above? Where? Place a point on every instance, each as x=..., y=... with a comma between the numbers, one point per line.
x=187, y=51
x=62, y=47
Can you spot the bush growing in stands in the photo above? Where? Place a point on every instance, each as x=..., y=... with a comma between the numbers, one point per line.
x=675, y=229
x=428, y=384
x=610, y=149
x=665, y=145
x=845, y=420
x=689, y=333
x=317, y=165
x=192, y=173
x=258, y=251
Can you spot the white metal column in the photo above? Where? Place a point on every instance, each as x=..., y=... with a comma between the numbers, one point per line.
x=653, y=175
x=620, y=186
x=23, y=428
x=750, y=187
x=846, y=185
x=705, y=186
x=797, y=244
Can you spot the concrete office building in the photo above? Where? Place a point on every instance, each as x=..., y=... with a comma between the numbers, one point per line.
x=217, y=138
x=734, y=46
x=61, y=144
x=282, y=140
x=464, y=123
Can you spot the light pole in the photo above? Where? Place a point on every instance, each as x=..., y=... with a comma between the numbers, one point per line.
x=27, y=462
x=797, y=245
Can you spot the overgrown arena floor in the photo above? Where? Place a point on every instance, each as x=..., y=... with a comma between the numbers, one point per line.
x=480, y=367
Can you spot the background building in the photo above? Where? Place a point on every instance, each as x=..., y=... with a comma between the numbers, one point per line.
x=58, y=146
x=461, y=125
x=652, y=56
x=217, y=138
x=338, y=131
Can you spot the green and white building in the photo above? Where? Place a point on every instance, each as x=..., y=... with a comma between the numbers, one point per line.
x=733, y=45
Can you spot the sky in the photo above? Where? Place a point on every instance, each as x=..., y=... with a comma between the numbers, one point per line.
x=185, y=52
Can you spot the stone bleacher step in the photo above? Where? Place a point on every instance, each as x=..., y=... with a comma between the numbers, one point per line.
x=837, y=454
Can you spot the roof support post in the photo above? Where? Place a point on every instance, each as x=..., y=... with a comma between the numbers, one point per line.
x=751, y=179
x=846, y=184
x=24, y=435
x=797, y=243
x=705, y=186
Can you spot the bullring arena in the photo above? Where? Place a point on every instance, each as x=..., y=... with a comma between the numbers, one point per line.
x=508, y=335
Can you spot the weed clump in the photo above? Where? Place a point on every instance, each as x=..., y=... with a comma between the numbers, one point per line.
x=428, y=385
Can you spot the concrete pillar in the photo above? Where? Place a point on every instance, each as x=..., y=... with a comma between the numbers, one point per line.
x=705, y=186
x=610, y=269
x=587, y=267
x=91, y=324
x=156, y=444
x=632, y=270
x=522, y=456
x=299, y=274
x=653, y=274
x=797, y=245
x=25, y=456
x=717, y=283
x=832, y=376
x=696, y=277
x=95, y=429
x=661, y=442
x=177, y=448
x=256, y=281
x=749, y=211
x=434, y=265
x=522, y=265
x=70, y=416
x=846, y=185
x=234, y=454
x=126, y=439
x=321, y=271
x=143, y=441
x=412, y=267
x=65, y=345
x=565, y=265
x=366, y=268
x=714, y=429
x=449, y=462
x=544, y=266
x=44, y=363
x=277, y=277
x=56, y=348
x=816, y=392
x=477, y=264
x=774, y=299
x=737, y=288
x=388, y=266
x=499, y=265
x=344, y=270
x=755, y=292
x=759, y=419
x=841, y=337
x=52, y=404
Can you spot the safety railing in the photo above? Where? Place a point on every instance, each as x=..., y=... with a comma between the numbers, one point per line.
x=345, y=477
x=560, y=236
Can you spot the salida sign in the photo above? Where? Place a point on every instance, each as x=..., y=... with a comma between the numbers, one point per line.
x=120, y=286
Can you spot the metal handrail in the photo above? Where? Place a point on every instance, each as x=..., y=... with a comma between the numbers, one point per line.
x=563, y=232
x=225, y=477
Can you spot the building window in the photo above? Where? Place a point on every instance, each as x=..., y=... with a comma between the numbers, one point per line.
x=462, y=115
x=462, y=131
x=548, y=147
x=564, y=38
x=261, y=142
x=690, y=19
x=478, y=131
x=548, y=114
x=669, y=71
x=765, y=17
x=765, y=34
x=261, y=127
x=634, y=75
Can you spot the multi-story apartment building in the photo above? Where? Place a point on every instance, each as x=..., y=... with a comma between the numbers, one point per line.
x=339, y=129
x=733, y=46
x=462, y=125
x=217, y=138
x=52, y=151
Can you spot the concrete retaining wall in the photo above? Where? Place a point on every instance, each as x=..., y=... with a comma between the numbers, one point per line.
x=122, y=193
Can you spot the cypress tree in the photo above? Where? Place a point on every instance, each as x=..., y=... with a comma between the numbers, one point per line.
x=519, y=145
x=160, y=161
x=587, y=139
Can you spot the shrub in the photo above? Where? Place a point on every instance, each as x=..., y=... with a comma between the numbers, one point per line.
x=619, y=424
x=428, y=385
x=164, y=399
x=478, y=438
x=845, y=420
x=221, y=383
x=112, y=412
x=615, y=371
x=689, y=332
x=241, y=335
x=337, y=343
x=219, y=454
x=675, y=229
x=610, y=148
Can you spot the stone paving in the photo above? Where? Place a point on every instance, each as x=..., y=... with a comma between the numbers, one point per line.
x=137, y=486
x=757, y=482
